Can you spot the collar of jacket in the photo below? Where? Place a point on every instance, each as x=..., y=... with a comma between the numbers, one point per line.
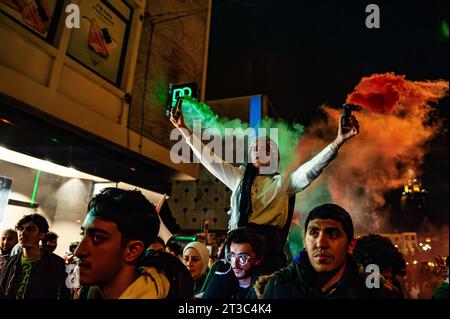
x=151, y=284
x=308, y=276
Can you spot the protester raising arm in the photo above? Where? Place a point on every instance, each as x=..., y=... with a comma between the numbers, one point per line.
x=225, y=172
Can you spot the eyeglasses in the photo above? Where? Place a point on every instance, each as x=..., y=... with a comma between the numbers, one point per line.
x=242, y=259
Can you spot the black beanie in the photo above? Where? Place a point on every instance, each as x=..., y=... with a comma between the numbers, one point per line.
x=335, y=212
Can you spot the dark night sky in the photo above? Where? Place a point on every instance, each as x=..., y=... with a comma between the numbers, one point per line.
x=305, y=53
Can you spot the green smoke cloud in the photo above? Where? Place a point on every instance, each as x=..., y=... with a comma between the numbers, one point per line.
x=288, y=135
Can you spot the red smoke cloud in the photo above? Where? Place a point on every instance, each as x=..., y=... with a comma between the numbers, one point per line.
x=394, y=129
x=384, y=93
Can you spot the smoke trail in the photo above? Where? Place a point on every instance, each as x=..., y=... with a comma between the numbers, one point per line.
x=392, y=139
x=288, y=140
x=396, y=123
x=194, y=110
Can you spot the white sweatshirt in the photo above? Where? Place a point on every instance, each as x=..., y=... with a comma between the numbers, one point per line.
x=270, y=193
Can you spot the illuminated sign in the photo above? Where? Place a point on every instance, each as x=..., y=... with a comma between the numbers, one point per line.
x=186, y=89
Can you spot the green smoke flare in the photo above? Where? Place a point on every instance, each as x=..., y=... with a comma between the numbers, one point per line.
x=288, y=136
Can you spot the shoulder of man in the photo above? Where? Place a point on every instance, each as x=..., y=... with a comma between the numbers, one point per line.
x=385, y=290
x=52, y=258
x=8, y=271
x=180, y=279
x=269, y=286
x=8, y=263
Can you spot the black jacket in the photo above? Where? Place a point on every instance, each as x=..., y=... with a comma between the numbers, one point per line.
x=47, y=278
x=224, y=285
x=297, y=281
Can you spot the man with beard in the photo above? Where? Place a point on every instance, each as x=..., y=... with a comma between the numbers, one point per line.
x=245, y=250
x=325, y=268
x=34, y=273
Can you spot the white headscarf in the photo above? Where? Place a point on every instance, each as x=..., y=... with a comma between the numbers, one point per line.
x=203, y=252
x=269, y=144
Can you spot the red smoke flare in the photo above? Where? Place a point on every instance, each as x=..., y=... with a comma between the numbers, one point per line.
x=386, y=93
x=395, y=129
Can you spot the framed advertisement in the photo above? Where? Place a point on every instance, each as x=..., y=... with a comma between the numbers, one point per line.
x=39, y=16
x=5, y=189
x=101, y=41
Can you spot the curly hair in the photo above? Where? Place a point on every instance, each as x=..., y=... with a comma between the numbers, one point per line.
x=39, y=220
x=244, y=235
x=379, y=250
x=50, y=236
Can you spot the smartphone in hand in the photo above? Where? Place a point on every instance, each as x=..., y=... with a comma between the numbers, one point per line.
x=175, y=112
x=345, y=120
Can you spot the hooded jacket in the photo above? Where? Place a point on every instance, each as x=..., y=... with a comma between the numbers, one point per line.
x=161, y=276
x=150, y=284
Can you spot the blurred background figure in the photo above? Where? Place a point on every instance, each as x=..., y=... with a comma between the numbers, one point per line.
x=441, y=292
x=73, y=270
x=196, y=257
x=17, y=249
x=73, y=246
x=8, y=241
x=50, y=242
x=212, y=259
x=379, y=250
x=174, y=249
x=69, y=257
x=158, y=244
x=35, y=273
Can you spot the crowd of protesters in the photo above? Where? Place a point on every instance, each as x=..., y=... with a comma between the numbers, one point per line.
x=120, y=255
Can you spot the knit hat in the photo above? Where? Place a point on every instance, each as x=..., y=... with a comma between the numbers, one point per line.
x=203, y=252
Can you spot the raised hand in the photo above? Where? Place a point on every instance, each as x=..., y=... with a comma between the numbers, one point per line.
x=353, y=129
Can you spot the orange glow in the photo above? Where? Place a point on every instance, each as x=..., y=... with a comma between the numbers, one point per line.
x=390, y=139
x=385, y=93
x=6, y=121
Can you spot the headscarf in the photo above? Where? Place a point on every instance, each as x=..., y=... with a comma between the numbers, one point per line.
x=203, y=252
x=245, y=205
